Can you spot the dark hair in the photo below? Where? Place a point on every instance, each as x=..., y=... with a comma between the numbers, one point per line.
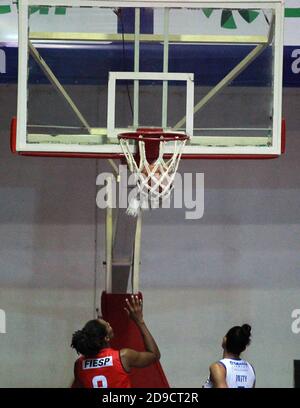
x=238, y=338
x=91, y=339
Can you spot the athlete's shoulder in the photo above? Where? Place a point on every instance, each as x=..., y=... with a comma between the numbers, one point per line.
x=217, y=366
x=221, y=362
x=218, y=375
x=79, y=360
x=127, y=355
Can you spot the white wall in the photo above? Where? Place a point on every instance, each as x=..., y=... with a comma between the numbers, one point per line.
x=239, y=263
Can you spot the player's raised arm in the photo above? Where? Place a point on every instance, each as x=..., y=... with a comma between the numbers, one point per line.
x=132, y=358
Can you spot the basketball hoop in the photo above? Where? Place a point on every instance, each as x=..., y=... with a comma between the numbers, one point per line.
x=154, y=169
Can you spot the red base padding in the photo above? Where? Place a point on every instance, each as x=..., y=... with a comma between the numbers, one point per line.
x=127, y=335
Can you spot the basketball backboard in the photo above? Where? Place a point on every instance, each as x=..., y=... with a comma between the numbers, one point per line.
x=89, y=70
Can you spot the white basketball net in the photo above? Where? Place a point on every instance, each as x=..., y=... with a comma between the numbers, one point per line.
x=154, y=180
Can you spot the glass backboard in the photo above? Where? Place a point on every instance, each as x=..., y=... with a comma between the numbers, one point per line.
x=89, y=70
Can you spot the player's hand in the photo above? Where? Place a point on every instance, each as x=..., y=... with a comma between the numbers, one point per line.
x=134, y=309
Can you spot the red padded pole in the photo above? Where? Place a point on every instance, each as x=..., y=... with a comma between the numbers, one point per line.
x=13, y=135
x=127, y=335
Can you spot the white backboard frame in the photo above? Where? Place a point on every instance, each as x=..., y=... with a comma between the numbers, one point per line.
x=192, y=150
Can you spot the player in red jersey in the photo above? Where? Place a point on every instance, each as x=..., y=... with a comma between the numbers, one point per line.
x=100, y=366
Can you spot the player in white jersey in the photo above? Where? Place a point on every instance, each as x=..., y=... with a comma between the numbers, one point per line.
x=231, y=371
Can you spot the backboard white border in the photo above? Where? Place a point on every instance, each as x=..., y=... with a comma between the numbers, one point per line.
x=277, y=5
x=22, y=77
x=156, y=3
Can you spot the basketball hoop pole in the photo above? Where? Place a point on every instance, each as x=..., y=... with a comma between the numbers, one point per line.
x=128, y=258
x=137, y=255
x=109, y=235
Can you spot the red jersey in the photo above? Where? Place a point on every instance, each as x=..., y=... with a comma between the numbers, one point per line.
x=105, y=370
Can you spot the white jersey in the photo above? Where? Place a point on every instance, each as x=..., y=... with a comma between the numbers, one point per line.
x=239, y=374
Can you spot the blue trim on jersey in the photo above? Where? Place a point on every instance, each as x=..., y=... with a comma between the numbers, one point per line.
x=252, y=368
x=220, y=362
